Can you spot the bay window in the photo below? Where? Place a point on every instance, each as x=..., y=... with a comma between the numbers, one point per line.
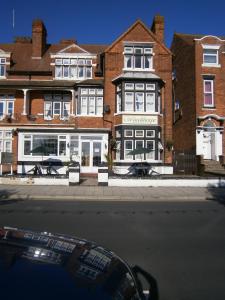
x=90, y=102
x=138, y=97
x=56, y=105
x=73, y=68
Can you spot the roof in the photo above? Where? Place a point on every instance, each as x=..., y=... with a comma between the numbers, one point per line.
x=41, y=265
x=189, y=38
x=22, y=55
x=137, y=75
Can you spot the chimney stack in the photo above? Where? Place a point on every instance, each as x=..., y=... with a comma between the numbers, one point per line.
x=39, y=35
x=158, y=27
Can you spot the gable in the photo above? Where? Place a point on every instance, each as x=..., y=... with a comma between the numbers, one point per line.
x=72, y=49
x=138, y=32
x=4, y=54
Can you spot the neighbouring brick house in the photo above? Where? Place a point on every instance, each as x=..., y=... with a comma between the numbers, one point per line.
x=68, y=101
x=199, y=85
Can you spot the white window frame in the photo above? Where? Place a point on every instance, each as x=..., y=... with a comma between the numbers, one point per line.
x=5, y=100
x=131, y=107
x=126, y=133
x=90, y=95
x=206, y=92
x=128, y=157
x=153, y=106
x=147, y=135
x=143, y=101
x=216, y=55
x=140, y=131
x=69, y=68
x=5, y=138
x=130, y=53
x=2, y=67
x=153, y=150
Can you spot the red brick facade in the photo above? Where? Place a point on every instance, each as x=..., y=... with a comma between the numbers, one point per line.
x=199, y=86
x=36, y=74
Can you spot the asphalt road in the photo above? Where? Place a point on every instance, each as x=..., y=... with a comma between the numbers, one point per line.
x=182, y=245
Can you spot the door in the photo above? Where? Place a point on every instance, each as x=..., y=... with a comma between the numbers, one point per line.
x=85, y=154
x=208, y=145
x=91, y=154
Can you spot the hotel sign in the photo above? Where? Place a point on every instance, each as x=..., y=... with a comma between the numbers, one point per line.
x=140, y=120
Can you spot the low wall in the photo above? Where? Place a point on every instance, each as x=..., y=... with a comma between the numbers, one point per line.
x=34, y=180
x=138, y=182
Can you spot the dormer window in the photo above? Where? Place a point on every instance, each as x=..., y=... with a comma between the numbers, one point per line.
x=211, y=56
x=138, y=58
x=2, y=67
x=73, y=68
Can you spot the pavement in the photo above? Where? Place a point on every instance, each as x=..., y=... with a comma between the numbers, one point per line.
x=104, y=193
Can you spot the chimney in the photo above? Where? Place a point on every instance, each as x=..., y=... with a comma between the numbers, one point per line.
x=39, y=35
x=158, y=27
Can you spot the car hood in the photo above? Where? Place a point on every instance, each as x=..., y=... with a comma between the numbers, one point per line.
x=49, y=266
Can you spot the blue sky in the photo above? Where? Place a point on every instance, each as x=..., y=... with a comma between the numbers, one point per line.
x=102, y=21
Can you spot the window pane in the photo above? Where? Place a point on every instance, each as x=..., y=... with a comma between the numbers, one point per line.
x=138, y=62
x=56, y=108
x=88, y=72
x=148, y=60
x=27, y=147
x=81, y=72
x=91, y=105
x=150, y=102
x=208, y=86
x=48, y=109
x=139, y=145
x=208, y=99
x=128, y=61
x=66, y=109
x=128, y=146
x=128, y=133
x=8, y=146
x=58, y=71
x=65, y=71
x=1, y=109
x=139, y=101
x=210, y=59
x=44, y=145
x=73, y=72
x=99, y=103
x=10, y=108
x=119, y=108
x=129, y=101
x=62, y=148
x=83, y=105
x=150, y=146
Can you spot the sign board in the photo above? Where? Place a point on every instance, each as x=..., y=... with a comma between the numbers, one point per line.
x=6, y=157
x=140, y=120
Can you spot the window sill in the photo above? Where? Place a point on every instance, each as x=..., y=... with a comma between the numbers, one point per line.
x=211, y=65
x=138, y=70
x=136, y=113
x=208, y=108
x=94, y=116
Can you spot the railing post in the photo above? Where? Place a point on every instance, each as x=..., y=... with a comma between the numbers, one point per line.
x=74, y=173
x=103, y=174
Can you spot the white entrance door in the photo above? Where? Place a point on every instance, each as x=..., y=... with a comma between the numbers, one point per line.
x=91, y=153
x=208, y=145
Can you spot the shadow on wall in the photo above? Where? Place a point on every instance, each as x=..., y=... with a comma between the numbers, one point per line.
x=218, y=193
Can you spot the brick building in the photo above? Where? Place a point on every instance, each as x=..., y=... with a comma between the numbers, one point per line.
x=199, y=85
x=68, y=101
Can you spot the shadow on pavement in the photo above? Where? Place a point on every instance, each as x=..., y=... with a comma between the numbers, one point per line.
x=151, y=281
x=5, y=197
x=218, y=193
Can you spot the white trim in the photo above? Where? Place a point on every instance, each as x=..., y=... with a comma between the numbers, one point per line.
x=211, y=65
x=209, y=36
x=209, y=46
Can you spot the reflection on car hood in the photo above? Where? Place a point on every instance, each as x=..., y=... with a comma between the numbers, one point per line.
x=49, y=266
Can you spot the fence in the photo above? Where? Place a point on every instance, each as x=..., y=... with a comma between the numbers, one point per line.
x=184, y=162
